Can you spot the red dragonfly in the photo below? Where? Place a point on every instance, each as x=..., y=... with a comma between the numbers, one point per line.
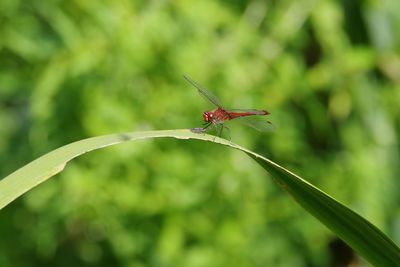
x=220, y=115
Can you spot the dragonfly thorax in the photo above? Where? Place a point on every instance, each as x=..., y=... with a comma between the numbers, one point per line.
x=207, y=116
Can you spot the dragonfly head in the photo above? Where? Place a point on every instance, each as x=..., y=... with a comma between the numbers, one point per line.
x=207, y=116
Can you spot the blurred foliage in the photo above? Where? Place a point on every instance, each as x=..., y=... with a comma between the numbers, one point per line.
x=328, y=71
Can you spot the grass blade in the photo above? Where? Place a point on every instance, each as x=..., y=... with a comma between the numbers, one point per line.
x=360, y=234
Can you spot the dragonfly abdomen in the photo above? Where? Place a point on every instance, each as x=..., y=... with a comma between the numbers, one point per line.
x=235, y=114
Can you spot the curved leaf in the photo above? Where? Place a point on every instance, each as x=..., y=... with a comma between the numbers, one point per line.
x=360, y=234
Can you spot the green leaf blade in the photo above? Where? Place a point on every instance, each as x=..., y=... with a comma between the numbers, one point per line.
x=360, y=234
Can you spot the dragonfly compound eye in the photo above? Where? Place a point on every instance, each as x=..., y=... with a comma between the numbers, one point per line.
x=207, y=116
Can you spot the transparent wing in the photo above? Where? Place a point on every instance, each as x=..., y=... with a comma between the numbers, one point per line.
x=260, y=123
x=204, y=92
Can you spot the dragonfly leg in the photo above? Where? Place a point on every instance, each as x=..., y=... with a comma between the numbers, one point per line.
x=201, y=129
x=219, y=128
x=228, y=132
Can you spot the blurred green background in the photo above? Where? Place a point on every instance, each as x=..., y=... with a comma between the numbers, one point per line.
x=328, y=71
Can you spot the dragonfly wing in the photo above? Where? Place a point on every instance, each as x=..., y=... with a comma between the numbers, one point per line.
x=204, y=92
x=257, y=122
